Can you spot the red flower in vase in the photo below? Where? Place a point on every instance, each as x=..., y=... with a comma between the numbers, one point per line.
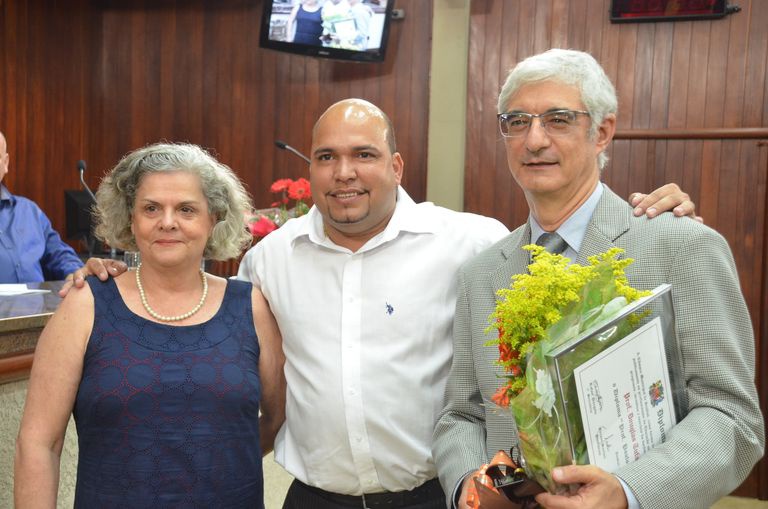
x=264, y=221
x=262, y=227
x=280, y=185
x=299, y=189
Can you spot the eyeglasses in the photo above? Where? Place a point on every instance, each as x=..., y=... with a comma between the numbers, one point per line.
x=555, y=123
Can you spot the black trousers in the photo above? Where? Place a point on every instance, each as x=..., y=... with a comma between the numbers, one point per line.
x=301, y=496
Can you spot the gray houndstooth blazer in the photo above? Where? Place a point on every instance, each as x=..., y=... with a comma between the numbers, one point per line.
x=712, y=450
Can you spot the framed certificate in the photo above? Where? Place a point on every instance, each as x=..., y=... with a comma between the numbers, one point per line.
x=625, y=397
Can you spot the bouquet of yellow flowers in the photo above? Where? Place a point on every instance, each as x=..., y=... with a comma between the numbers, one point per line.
x=541, y=311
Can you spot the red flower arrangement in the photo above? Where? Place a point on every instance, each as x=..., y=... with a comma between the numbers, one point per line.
x=264, y=221
x=261, y=226
x=291, y=190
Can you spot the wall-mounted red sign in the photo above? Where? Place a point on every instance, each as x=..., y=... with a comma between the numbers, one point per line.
x=632, y=11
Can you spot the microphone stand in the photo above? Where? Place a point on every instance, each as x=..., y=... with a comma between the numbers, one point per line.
x=284, y=146
x=81, y=169
x=90, y=242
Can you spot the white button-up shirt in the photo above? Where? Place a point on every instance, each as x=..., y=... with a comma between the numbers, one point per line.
x=368, y=342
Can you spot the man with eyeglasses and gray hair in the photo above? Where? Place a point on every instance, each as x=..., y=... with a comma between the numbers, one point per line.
x=557, y=114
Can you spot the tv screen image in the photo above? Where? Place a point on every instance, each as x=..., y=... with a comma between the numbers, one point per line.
x=354, y=30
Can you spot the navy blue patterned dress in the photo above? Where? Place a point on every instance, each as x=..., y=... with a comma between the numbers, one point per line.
x=309, y=26
x=168, y=416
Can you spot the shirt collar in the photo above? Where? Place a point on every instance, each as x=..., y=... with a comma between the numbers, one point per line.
x=575, y=227
x=406, y=218
x=409, y=216
x=5, y=194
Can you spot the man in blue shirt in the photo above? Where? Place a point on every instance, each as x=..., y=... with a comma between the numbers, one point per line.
x=30, y=249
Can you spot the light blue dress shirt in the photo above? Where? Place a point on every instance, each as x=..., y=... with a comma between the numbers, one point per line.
x=575, y=227
x=30, y=249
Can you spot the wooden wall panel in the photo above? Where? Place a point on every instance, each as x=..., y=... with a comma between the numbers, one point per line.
x=84, y=79
x=684, y=75
x=42, y=88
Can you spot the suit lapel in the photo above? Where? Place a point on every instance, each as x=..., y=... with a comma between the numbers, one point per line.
x=610, y=221
x=517, y=259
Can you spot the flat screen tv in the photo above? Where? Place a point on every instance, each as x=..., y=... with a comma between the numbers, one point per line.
x=355, y=30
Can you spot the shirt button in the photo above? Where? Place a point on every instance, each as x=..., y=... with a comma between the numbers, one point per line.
x=359, y=439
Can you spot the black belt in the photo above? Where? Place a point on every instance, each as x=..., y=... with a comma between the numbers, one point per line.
x=427, y=492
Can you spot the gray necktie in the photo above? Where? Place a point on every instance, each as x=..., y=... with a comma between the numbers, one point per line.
x=552, y=242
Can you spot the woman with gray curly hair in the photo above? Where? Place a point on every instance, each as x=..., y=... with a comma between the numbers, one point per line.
x=166, y=368
x=226, y=198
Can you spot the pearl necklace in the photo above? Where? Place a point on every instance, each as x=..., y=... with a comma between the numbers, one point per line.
x=163, y=318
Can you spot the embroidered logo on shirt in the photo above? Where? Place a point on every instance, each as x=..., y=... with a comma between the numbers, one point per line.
x=390, y=309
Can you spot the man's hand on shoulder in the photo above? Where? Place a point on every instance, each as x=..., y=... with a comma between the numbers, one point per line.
x=599, y=489
x=667, y=197
x=100, y=267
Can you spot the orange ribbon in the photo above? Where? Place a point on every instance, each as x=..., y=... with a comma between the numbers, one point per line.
x=501, y=484
x=481, y=477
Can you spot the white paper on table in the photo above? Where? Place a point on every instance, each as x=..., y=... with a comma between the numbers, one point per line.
x=7, y=289
x=625, y=398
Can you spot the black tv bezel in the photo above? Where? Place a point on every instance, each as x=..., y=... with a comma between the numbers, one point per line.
x=376, y=56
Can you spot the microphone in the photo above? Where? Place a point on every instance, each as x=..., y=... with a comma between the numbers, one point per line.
x=285, y=146
x=81, y=169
